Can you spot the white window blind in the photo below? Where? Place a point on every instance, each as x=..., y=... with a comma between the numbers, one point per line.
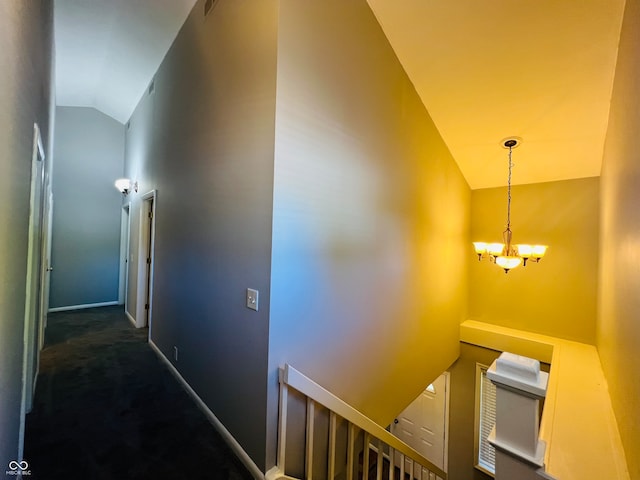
x=487, y=419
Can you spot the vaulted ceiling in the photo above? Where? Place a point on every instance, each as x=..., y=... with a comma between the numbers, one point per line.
x=107, y=51
x=541, y=70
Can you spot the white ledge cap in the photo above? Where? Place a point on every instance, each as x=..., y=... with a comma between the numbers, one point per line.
x=517, y=366
x=519, y=372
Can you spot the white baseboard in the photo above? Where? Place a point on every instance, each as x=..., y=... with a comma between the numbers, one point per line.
x=81, y=307
x=222, y=430
x=131, y=319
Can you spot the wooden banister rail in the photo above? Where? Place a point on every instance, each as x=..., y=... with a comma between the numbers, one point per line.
x=374, y=434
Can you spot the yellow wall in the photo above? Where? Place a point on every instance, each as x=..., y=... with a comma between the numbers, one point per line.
x=370, y=217
x=556, y=297
x=618, y=337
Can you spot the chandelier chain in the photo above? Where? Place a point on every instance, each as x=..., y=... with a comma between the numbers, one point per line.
x=509, y=193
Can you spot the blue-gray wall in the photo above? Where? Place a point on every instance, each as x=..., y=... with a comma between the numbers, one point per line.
x=89, y=153
x=204, y=139
x=25, y=99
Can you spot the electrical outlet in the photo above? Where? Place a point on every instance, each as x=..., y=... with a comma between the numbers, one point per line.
x=252, y=299
x=175, y=353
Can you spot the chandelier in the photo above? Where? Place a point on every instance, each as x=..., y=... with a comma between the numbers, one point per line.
x=505, y=255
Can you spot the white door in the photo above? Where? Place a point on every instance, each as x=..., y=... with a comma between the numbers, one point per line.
x=33, y=286
x=34, y=266
x=423, y=424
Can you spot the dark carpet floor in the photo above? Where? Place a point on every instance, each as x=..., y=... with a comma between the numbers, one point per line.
x=107, y=408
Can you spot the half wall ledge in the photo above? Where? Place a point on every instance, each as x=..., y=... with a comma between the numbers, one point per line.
x=578, y=424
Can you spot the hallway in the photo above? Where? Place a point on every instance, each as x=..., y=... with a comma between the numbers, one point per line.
x=106, y=408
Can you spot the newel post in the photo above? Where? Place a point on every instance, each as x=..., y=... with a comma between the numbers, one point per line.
x=520, y=385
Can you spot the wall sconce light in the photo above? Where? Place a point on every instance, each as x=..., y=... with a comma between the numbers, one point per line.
x=506, y=255
x=125, y=185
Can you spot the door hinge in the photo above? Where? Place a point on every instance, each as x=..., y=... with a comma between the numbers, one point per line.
x=148, y=261
x=150, y=214
x=146, y=306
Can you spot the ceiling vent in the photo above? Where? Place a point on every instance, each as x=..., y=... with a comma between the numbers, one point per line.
x=208, y=6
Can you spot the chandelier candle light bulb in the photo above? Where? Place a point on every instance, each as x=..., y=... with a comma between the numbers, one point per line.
x=505, y=255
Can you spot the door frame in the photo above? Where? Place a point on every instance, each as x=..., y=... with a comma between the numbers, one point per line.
x=33, y=313
x=46, y=268
x=125, y=229
x=146, y=249
x=447, y=414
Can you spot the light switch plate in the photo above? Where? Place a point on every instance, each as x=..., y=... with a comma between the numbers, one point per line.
x=252, y=299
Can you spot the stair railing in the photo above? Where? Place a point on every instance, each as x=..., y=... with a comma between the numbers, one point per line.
x=377, y=449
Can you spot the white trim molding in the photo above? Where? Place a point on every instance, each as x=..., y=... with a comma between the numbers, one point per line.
x=83, y=306
x=131, y=319
x=146, y=248
x=222, y=430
